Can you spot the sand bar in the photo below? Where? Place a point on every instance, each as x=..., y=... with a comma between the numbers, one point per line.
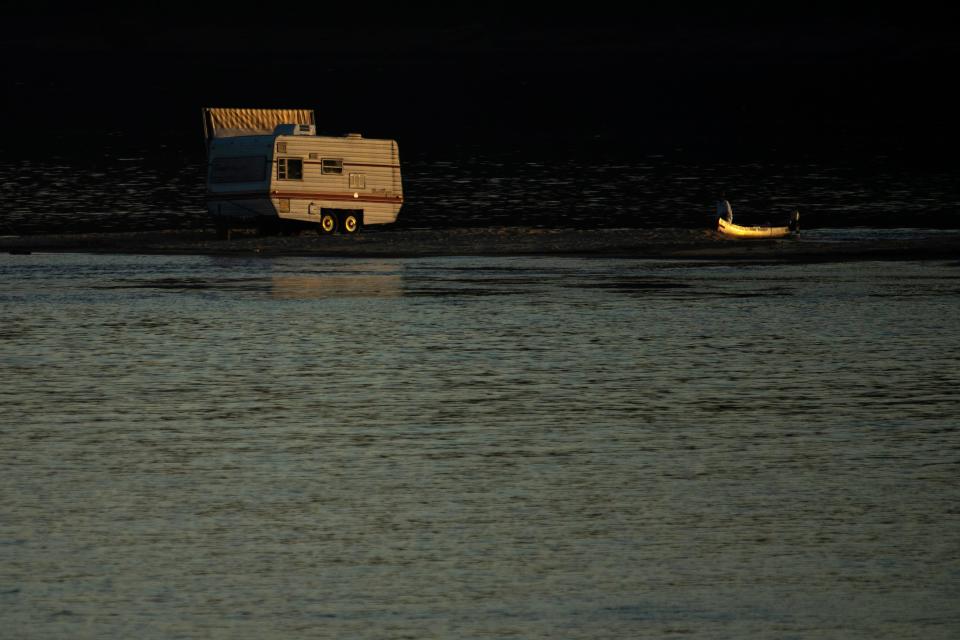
x=498, y=241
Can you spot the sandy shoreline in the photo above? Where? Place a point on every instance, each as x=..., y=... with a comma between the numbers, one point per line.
x=495, y=241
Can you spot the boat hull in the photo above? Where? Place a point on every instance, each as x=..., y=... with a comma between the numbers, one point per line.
x=737, y=231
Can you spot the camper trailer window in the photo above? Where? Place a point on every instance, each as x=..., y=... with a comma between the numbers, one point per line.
x=242, y=169
x=289, y=169
x=331, y=165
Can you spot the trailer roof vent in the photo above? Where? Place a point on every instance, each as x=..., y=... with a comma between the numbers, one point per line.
x=354, y=135
x=295, y=130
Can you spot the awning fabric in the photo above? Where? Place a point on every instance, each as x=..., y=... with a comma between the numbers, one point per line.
x=225, y=123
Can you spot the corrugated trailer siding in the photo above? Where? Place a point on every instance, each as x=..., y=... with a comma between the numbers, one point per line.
x=257, y=146
x=395, y=161
x=380, y=199
x=239, y=199
x=241, y=207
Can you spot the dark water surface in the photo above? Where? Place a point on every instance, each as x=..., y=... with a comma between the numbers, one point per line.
x=140, y=191
x=467, y=447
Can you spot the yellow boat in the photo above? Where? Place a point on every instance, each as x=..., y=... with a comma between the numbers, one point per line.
x=726, y=227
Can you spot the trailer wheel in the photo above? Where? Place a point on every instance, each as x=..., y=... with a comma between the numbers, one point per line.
x=351, y=223
x=328, y=223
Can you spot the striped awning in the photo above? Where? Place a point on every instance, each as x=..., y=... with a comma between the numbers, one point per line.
x=225, y=122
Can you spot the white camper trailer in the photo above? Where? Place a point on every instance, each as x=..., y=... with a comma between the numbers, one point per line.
x=268, y=167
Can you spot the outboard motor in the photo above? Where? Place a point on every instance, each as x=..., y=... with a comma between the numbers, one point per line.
x=794, y=222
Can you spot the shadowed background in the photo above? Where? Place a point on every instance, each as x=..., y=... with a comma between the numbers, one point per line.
x=854, y=93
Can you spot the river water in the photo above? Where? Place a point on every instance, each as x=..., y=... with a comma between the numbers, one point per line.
x=478, y=447
x=474, y=187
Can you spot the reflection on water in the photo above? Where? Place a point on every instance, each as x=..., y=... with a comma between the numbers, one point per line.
x=475, y=190
x=461, y=447
x=283, y=282
x=307, y=287
x=355, y=280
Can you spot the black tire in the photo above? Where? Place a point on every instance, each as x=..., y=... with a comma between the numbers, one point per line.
x=328, y=223
x=351, y=223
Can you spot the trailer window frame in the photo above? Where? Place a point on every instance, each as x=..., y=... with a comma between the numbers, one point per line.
x=331, y=166
x=290, y=168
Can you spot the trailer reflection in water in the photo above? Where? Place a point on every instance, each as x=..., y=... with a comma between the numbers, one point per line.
x=363, y=280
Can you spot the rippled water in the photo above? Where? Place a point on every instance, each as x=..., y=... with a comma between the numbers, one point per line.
x=476, y=189
x=467, y=447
